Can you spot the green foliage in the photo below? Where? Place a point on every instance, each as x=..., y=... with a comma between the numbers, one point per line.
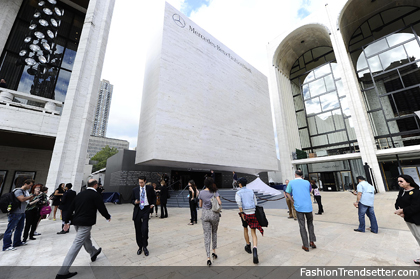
x=102, y=156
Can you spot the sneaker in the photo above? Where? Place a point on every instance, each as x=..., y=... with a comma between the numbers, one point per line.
x=11, y=248
x=62, y=232
x=248, y=248
x=36, y=233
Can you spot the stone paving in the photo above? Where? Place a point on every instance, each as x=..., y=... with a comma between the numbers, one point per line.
x=173, y=243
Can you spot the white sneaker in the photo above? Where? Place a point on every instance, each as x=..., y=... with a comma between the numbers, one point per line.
x=24, y=243
x=11, y=248
x=36, y=233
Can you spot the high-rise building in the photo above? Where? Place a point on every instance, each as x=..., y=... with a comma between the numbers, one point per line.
x=100, y=122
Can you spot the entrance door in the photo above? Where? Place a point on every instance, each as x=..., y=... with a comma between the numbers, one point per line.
x=346, y=181
x=328, y=181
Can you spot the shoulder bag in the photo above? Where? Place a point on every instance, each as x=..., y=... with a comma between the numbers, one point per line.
x=215, y=206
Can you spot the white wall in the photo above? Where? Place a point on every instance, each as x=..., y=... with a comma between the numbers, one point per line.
x=208, y=106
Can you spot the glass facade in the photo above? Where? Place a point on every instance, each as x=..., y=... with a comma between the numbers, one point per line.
x=66, y=43
x=385, y=50
x=322, y=112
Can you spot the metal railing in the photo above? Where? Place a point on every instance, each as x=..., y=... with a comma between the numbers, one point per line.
x=30, y=102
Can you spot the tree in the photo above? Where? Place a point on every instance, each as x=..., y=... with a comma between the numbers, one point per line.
x=102, y=156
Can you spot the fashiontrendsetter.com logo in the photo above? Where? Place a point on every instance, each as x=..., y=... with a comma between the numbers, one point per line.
x=178, y=20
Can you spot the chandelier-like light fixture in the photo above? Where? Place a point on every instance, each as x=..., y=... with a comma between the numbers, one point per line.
x=38, y=44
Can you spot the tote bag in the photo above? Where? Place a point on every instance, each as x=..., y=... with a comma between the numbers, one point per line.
x=215, y=206
x=260, y=214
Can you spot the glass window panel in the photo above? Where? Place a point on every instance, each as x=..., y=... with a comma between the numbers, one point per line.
x=309, y=77
x=317, y=87
x=407, y=101
x=322, y=71
x=365, y=79
x=345, y=106
x=304, y=138
x=305, y=90
x=371, y=99
x=330, y=57
x=319, y=140
x=324, y=123
x=17, y=36
x=350, y=128
x=10, y=71
x=320, y=51
x=392, y=14
x=301, y=119
x=76, y=29
x=298, y=102
x=337, y=137
x=356, y=38
x=336, y=70
x=409, y=19
x=298, y=73
x=312, y=126
x=338, y=119
x=388, y=82
x=407, y=124
x=361, y=62
x=374, y=48
x=391, y=56
x=329, y=101
x=389, y=107
x=40, y=84
x=413, y=50
x=62, y=85
x=365, y=30
x=358, y=45
x=312, y=106
x=377, y=120
x=307, y=57
x=410, y=75
x=69, y=55
x=301, y=62
x=340, y=87
x=66, y=23
x=399, y=24
x=398, y=38
x=29, y=10
x=375, y=22
x=375, y=64
x=329, y=82
x=315, y=63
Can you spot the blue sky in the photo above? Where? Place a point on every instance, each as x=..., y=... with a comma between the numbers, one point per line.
x=193, y=6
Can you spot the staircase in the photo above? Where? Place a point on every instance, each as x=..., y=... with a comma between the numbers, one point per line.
x=179, y=199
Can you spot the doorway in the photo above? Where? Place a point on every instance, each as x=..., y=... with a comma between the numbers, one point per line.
x=346, y=182
x=328, y=181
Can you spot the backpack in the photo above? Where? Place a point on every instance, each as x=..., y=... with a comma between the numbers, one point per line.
x=7, y=199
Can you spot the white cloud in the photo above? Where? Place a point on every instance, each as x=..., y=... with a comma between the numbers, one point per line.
x=245, y=26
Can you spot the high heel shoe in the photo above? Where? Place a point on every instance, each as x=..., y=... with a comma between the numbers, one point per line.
x=214, y=256
x=208, y=262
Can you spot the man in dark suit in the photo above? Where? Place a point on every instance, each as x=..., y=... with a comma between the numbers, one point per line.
x=65, y=203
x=85, y=206
x=143, y=198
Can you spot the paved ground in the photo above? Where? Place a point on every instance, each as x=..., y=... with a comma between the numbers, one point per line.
x=173, y=243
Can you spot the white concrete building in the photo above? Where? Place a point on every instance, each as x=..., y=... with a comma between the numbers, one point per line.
x=103, y=106
x=97, y=143
x=45, y=122
x=203, y=106
x=344, y=86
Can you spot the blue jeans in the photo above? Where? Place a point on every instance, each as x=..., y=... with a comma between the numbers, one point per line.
x=16, y=223
x=368, y=210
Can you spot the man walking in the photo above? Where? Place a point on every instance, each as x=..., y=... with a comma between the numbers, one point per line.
x=299, y=191
x=85, y=206
x=16, y=218
x=143, y=198
x=247, y=201
x=364, y=203
x=290, y=204
x=65, y=203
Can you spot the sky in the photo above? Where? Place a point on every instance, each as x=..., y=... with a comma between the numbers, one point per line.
x=254, y=23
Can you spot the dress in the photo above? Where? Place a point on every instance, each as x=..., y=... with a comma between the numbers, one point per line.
x=409, y=201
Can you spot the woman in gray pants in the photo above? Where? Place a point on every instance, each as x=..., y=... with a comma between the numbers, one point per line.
x=210, y=219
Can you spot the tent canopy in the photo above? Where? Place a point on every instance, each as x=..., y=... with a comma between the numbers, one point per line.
x=260, y=187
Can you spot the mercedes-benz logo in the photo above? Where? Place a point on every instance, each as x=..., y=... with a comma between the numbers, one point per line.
x=178, y=20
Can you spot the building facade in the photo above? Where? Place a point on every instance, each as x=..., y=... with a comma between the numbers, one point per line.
x=100, y=123
x=345, y=90
x=45, y=113
x=97, y=143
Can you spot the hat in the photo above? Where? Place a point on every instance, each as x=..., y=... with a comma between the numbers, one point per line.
x=243, y=181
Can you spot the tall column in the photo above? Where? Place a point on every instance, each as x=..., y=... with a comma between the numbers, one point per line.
x=8, y=12
x=362, y=127
x=69, y=154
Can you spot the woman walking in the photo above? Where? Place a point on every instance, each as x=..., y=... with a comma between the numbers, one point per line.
x=192, y=198
x=209, y=218
x=317, y=196
x=58, y=193
x=408, y=205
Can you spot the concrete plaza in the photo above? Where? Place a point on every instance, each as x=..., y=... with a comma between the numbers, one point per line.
x=174, y=243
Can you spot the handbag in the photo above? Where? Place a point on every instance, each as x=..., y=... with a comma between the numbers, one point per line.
x=260, y=214
x=45, y=210
x=215, y=206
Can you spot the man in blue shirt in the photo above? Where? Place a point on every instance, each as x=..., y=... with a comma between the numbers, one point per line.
x=364, y=204
x=299, y=191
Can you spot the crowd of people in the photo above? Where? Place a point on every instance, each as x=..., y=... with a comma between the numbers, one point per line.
x=80, y=211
